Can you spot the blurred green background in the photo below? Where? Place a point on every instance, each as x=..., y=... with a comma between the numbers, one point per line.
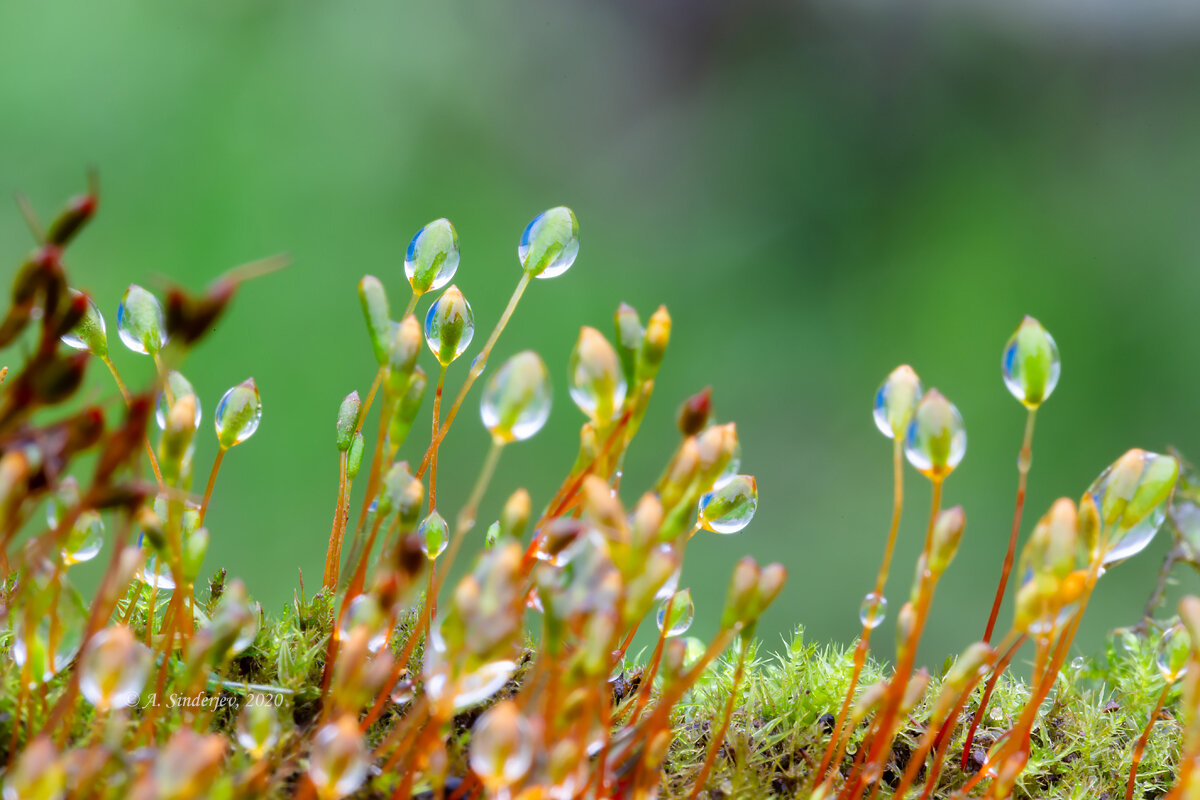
x=818, y=191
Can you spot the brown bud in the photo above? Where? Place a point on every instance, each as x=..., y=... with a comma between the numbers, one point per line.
x=693, y=414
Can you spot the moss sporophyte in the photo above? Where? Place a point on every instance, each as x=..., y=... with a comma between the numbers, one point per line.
x=518, y=681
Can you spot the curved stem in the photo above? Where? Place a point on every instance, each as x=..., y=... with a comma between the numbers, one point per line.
x=477, y=366
x=376, y=458
x=1140, y=748
x=434, y=440
x=112, y=368
x=1024, y=461
x=836, y=744
x=333, y=554
x=212, y=481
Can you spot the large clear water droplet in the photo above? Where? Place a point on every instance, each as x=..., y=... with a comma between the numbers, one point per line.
x=113, y=668
x=516, y=400
x=434, y=534
x=896, y=400
x=730, y=507
x=155, y=572
x=84, y=541
x=550, y=243
x=1124, y=543
x=339, y=759
x=1174, y=652
x=364, y=611
x=432, y=257
x=449, y=326
x=1031, y=364
x=501, y=749
x=597, y=382
x=468, y=689
x=675, y=616
x=937, y=439
x=238, y=414
x=873, y=610
x=45, y=645
x=90, y=333
x=258, y=729
x=140, y=321
x=180, y=386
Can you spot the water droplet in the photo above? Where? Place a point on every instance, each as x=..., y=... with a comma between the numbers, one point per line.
x=435, y=535
x=1030, y=363
x=550, y=243
x=1126, y=543
x=238, y=414
x=54, y=632
x=873, y=610
x=84, y=541
x=937, y=440
x=730, y=507
x=156, y=571
x=682, y=611
x=501, y=749
x=516, y=401
x=597, y=383
x=432, y=257
x=896, y=401
x=403, y=692
x=1130, y=496
x=180, y=386
x=473, y=687
x=140, y=321
x=113, y=668
x=339, y=760
x=1174, y=651
x=258, y=729
x=90, y=333
x=449, y=325
x=364, y=611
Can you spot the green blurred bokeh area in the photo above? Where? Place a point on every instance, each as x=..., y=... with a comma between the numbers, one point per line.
x=818, y=192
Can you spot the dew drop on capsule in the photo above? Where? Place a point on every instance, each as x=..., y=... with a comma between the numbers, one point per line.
x=550, y=243
x=180, y=386
x=339, y=760
x=90, y=333
x=45, y=649
x=501, y=747
x=155, y=572
x=1174, y=651
x=682, y=612
x=1030, y=363
x=896, y=401
x=449, y=326
x=873, y=610
x=730, y=507
x=84, y=541
x=516, y=400
x=258, y=729
x=434, y=534
x=597, y=382
x=140, y=321
x=113, y=668
x=238, y=414
x=364, y=611
x=432, y=257
x=937, y=439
